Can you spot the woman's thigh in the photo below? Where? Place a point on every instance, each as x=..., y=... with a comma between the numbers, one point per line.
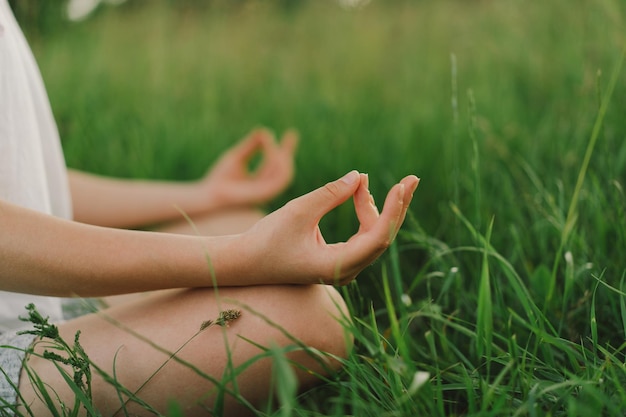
x=122, y=342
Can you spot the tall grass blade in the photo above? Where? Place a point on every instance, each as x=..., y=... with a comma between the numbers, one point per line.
x=41, y=390
x=398, y=283
x=393, y=319
x=622, y=302
x=572, y=212
x=484, y=320
x=285, y=382
x=475, y=158
x=80, y=397
x=514, y=279
x=454, y=149
x=593, y=322
x=493, y=388
x=118, y=391
x=439, y=398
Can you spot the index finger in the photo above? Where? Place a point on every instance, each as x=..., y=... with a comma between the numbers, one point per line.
x=289, y=141
x=251, y=144
x=411, y=183
x=368, y=244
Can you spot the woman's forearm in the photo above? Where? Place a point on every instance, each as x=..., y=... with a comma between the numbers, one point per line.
x=122, y=203
x=229, y=183
x=40, y=254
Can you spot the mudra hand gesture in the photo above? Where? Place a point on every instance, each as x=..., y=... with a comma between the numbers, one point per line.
x=288, y=247
x=230, y=182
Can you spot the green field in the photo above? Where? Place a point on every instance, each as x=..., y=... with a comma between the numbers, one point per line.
x=506, y=283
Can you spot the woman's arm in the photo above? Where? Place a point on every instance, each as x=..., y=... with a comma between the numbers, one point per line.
x=112, y=202
x=44, y=255
x=40, y=254
x=127, y=203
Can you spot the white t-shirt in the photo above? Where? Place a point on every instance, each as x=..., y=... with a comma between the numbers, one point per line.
x=32, y=168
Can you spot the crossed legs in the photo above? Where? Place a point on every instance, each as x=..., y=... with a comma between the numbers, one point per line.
x=270, y=316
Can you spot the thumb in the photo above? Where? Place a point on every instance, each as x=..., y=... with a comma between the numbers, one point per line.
x=324, y=199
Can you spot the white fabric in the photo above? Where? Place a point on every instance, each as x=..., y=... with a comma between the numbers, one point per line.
x=32, y=168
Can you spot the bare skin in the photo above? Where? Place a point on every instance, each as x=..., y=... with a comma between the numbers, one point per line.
x=171, y=318
x=271, y=271
x=285, y=247
x=220, y=223
x=228, y=184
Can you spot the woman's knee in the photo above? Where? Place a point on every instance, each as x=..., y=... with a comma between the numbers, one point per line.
x=311, y=317
x=329, y=324
x=317, y=317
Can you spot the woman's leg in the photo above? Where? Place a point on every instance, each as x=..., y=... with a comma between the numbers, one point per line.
x=311, y=314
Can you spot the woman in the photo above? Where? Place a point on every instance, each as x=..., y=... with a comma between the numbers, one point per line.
x=60, y=237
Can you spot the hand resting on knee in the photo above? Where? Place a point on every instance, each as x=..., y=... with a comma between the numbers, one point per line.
x=41, y=254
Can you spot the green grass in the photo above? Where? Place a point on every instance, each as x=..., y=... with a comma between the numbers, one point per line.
x=507, y=283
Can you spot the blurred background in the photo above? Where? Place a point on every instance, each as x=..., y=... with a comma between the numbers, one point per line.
x=491, y=102
x=485, y=100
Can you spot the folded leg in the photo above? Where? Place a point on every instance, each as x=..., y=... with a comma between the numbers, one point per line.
x=170, y=320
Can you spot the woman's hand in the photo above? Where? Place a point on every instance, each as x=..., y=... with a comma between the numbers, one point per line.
x=288, y=247
x=231, y=183
x=285, y=247
x=128, y=203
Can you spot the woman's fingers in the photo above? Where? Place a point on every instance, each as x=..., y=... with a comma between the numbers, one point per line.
x=364, y=205
x=377, y=230
x=322, y=200
x=246, y=148
x=277, y=157
x=263, y=140
x=366, y=209
x=289, y=141
x=396, y=206
x=375, y=235
x=410, y=185
x=385, y=228
x=295, y=239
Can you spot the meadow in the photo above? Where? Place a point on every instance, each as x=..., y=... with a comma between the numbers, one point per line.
x=504, y=294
